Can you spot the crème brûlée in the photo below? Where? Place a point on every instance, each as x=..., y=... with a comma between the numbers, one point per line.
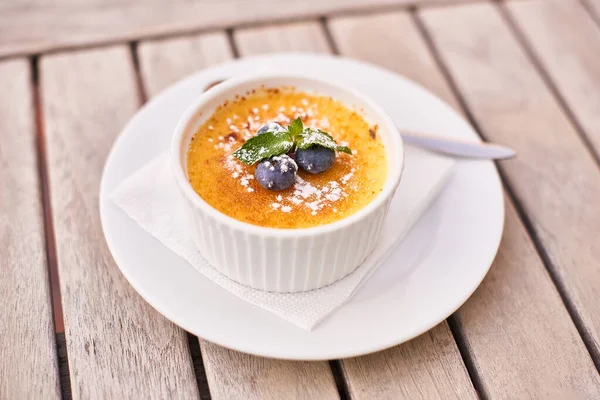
x=230, y=186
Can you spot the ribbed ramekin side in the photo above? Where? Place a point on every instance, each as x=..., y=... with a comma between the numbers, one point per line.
x=215, y=242
x=202, y=236
x=357, y=244
x=302, y=250
x=312, y=260
x=374, y=231
x=259, y=257
x=286, y=263
x=228, y=243
x=382, y=213
x=261, y=252
x=327, y=259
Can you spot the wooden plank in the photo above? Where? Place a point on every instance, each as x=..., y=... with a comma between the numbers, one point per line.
x=428, y=367
x=231, y=374
x=520, y=335
x=504, y=349
x=392, y=41
x=554, y=178
x=566, y=40
x=594, y=7
x=28, y=361
x=118, y=346
x=391, y=373
x=163, y=62
x=301, y=36
x=33, y=26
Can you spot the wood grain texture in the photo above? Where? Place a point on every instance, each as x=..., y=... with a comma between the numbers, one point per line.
x=28, y=360
x=118, y=346
x=163, y=62
x=428, y=367
x=554, y=177
x=392, y=41
x=233, y=375
x=519, y=351
x=392, y=373
x=566, y=40
x=522, y=340
x=230, y=374
x=302, y=36
x=33, y=26
x=594, y=7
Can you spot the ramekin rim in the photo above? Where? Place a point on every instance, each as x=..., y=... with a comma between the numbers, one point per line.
x=178, y=169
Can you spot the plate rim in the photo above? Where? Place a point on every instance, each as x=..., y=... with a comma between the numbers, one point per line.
x=103, y=200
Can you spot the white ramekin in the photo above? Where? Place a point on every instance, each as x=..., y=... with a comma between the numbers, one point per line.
x=284, y=260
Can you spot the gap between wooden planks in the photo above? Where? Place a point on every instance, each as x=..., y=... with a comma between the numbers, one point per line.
x=555, y=179
x=537, y=289
x=231, y=374
x=28, y=359
x=118, y=346
x=468, y=303
x=568, y=56
x=32, y=27
x=506, y=342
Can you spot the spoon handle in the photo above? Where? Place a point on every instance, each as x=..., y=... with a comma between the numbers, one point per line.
x=458, y=147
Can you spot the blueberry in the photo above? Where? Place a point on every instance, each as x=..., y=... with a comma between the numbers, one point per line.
x=315, y=159
x=270, y=127
x=277, y=172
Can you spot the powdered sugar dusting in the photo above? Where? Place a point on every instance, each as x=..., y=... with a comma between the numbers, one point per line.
x=304, y=195
x=285, y=163
x=237, y=172
x=316, y=199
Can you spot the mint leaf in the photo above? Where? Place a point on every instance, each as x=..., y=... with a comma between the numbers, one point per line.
x=295, y=128
x=276, y=141
x=311, y=137
x=344, y=149
x=264, y=146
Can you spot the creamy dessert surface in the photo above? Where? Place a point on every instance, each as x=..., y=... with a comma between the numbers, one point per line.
x=229, y=186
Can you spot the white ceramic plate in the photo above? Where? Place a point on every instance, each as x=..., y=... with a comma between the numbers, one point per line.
x=444, y=257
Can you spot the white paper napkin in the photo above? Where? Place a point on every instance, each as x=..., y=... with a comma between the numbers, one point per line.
x=151, y=197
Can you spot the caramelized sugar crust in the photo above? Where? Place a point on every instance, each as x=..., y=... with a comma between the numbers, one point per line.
x=230, y=187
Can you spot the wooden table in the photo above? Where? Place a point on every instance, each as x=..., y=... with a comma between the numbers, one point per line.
x=525, y=73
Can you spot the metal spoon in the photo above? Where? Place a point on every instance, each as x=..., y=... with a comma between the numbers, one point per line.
x=458, y=147
x=445, y=145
